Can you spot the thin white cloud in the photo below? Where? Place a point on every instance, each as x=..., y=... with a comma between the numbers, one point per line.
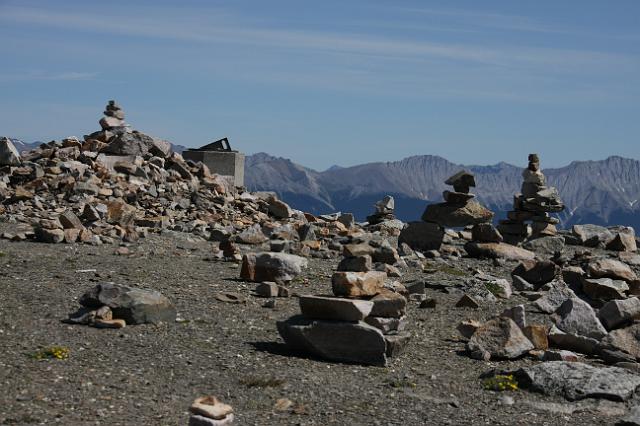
x=208, y=29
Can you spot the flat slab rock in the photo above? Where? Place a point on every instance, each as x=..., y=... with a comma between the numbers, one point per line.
x=353, y=342
x=334, y=308
x=134, y=305
x=575, y=380
x=498, y=251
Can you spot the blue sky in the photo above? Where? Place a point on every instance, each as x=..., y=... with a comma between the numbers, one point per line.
x=333, y=82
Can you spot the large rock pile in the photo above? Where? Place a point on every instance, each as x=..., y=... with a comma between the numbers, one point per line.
x=363, y=322
x=119, y=184
x=532, y=205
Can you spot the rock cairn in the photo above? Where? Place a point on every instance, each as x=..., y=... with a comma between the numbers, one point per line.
x=362, y=322
x=531, y=208
x=458, y=210
x=384, y=211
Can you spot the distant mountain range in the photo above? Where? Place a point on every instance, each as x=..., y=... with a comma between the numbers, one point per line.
x=605, y=192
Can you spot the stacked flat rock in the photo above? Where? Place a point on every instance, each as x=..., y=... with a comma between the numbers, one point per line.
x=384, y=211
x=363, y=322
x=459, y=209
x=531, y=208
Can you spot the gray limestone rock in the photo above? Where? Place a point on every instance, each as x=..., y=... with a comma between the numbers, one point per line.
x=578, y=317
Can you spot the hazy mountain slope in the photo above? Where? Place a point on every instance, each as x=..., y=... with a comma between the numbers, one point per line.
x=605, y=192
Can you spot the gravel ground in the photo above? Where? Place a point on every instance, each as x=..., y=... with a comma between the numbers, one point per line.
x=148, y=375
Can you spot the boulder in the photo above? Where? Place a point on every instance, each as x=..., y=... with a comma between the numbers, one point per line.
x=9, y=155
x=497, y=251
x=556, y=294
x=604, y=288
x=134, y=305
x=355, y=342
x=130, y=144
x=611, y=268
x=457, y=215
x=591, y=235
x=615, y=313
x=334, y=308
x=486, y=233
x=357, y=284
x=499, y=338
x=269, y=266
x=575, y=380
x=578, y=317
x=422, y=236
x=537, y=272
x=623, y=241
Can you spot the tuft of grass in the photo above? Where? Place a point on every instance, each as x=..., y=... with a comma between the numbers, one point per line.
x=500, y=383
x=262, y=382
x=446, y=269
x=2, y=254
x=494, y=288
x=52, y=352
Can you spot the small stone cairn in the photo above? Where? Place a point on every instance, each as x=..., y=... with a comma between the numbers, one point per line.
x=533, y=205
x=384, y=211
x=363, y=321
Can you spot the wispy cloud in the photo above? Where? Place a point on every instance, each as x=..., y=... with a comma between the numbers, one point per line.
x=208, y=29
x=44, y=75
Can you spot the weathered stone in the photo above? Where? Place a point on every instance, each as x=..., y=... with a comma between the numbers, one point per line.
x=267, y=289
x=497, y=251
x=575, y=381
x=611, y=268
x=396, y=343
x=537, y=272
x=197, y=420
x=356, y=250
x=357, y=284
x=334, y=308
x=520, y=284
x=560, y=355
x=49, y=235
x=467, y=301
x=335, y=340
x=615, y=313
x=356, y=264
x=626, y=340
x=135, y=306
x=604, y=288
x=632, y=418
x=578, y=317
x=498, y=338
x=130, y=144
x=591, y=235
x=209, y=406
x=557, y=293
x=461, y=181
x=386, y=254
x=9, y=155
x=121, y=213
x=269, y=266
x=251, y=235
x=573, y=342
x=387, y=325
x=572, y=275
x=70, y=221
x=388, y=304
x=468, y=327
x=517, y=314
x=486, y=233
x=623, y=242
x=422, y=236
x=279, y=209
x=456, y=197
x=457, y=215
x=546, y=245
x=537, y=335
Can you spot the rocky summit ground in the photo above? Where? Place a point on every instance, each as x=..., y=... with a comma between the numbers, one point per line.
x=149, y=374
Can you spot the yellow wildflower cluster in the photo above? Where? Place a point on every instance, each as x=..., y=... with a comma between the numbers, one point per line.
x=52, y=352
x=501, y=382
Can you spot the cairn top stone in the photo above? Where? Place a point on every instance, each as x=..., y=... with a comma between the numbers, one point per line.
x=461, y=181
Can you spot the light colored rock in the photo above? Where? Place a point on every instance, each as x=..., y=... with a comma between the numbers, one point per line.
x=270, y=266
x=388, y=304
x=604, y=288
x=547, y=245
x=9, y=155
x=556, y=294
x=335, y=340
x=497, y=251
x=591, y=235
x=578, y=317
x=457, y=215
x=632, y=418
x=498, y=338
x=334, y=308
x=468, y=327
x=626, y=340
x=575, y=380
x=209, y=406
x=611, y=268
x=357, y=284
x=615, y=313
x=537, y=335
x=135, y=306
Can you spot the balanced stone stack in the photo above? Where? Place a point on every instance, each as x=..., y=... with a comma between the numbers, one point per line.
x=533, y=204
x=362, y=323
x=384, y=211
x=459, y=209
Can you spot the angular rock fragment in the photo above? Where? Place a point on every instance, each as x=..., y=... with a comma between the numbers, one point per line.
x=615, y=313
x=537, y=272
x=498, y=338
x=611, y=268
x=334, y=308
x=557, y=293
x=578, y=317
x=604, y=288
x=273, y=267
x=422, y=236
x=497, y=251
x=357, y=284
